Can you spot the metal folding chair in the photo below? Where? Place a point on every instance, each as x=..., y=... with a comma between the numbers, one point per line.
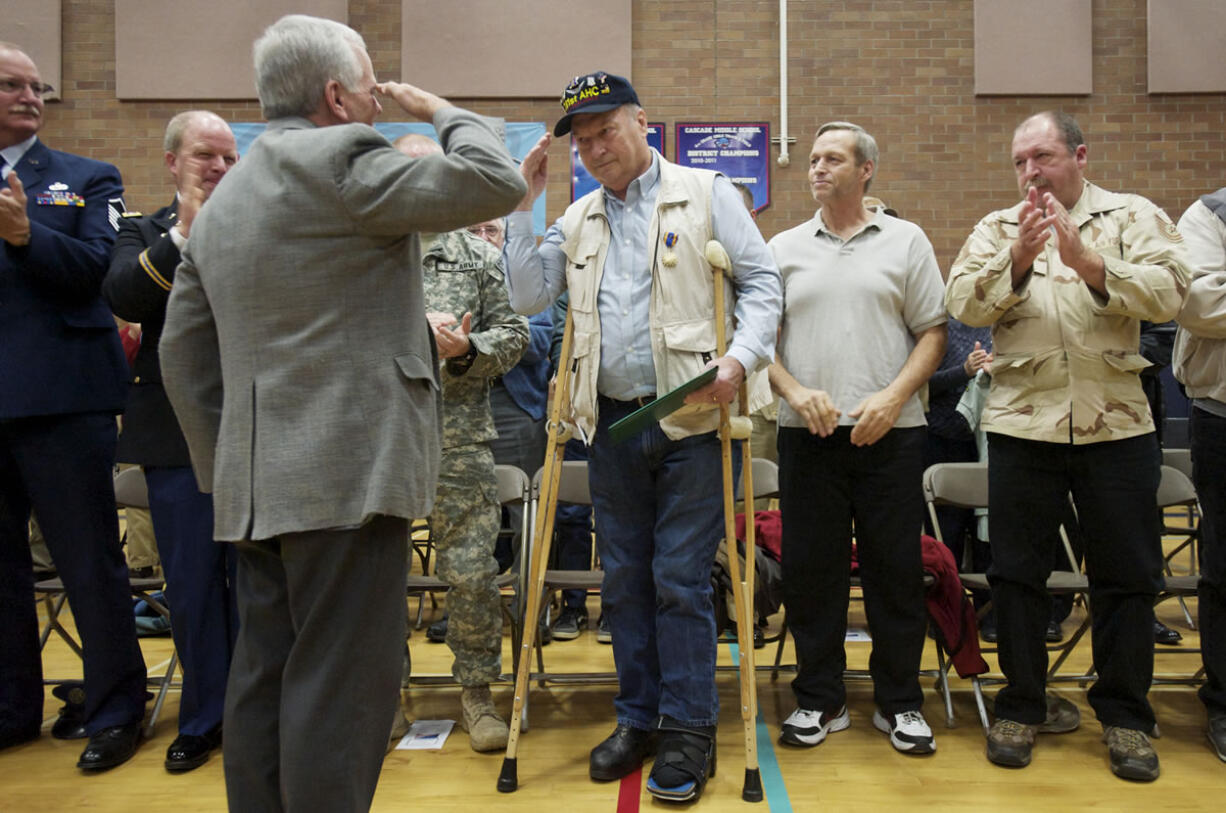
x=572, y=488
x=1175, y=490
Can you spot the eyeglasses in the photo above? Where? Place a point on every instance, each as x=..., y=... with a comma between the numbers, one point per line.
x=485, y=230
x=15, y=86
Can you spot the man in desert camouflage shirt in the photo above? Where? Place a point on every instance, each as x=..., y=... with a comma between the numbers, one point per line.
x=1064, y=278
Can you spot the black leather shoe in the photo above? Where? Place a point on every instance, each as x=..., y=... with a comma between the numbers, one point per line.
x=1054, y=634
x=16, y=736
x=622, y=753
x=110, y=747
x=70, y=725
x=1165, y=635
x=190, y=751
x=436, y=633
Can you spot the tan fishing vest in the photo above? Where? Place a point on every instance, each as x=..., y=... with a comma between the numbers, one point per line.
x=682, y=309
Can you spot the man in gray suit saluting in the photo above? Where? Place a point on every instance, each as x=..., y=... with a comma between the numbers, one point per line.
x=300, y=364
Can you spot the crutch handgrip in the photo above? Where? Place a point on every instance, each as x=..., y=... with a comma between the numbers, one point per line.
x=717, y=256
x=740, y=427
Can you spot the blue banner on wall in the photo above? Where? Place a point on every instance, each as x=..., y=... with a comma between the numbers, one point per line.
x=740, y=151
x=581, y=182
x=519, y=139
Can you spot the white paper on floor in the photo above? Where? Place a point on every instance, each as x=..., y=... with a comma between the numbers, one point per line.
x=426, y=735
x=858, y=634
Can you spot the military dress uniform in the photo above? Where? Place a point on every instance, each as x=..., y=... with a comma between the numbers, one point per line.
x=1066, y=412
x=199, y=571
x=62, y=374
x=463, y=274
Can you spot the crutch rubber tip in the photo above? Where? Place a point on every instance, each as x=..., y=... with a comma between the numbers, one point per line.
x=508, y=778
x=753, y=786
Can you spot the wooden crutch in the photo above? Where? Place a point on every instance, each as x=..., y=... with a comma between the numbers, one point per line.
x=557, y=433
x=738, y=428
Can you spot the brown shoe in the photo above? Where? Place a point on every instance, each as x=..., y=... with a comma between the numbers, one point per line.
x=1010, y=743
x=486, y=730
x=1062, y=716
x=1132, y=757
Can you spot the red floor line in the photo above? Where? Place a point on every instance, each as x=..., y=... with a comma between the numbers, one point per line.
x=629, y=793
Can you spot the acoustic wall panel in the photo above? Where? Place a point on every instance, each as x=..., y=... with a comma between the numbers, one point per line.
x=187, y=50
x=1187, y=46
x=447, y=46
x=1037, y=47
x=35, y=26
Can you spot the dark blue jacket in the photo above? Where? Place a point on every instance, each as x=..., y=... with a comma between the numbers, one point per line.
x=137, y=288
x=59, y=349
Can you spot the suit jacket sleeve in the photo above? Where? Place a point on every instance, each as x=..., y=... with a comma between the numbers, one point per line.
x=142, y=270
x=474, y=180
x=69, y=267
x=191, y=368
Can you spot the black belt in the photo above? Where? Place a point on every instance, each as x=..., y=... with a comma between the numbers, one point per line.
x=640, y=401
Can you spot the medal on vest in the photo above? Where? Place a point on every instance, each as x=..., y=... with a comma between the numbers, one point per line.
x=670, y=258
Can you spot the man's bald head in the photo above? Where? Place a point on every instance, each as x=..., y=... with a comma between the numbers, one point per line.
x=416, y=145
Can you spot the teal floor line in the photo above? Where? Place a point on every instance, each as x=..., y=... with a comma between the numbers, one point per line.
x=772, y=778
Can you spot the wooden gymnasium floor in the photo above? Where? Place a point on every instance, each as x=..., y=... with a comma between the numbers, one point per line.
x=853, y=770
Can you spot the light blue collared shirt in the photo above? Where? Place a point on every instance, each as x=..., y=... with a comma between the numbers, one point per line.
x=14, y=153
x=537, y=276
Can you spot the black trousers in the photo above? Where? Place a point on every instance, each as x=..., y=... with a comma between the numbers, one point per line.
x=826, y=484
x=1114, y=486
x=60, y=466
x=1209, y=475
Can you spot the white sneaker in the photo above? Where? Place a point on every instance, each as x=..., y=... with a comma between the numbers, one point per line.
x=808, y=728
x=908, y=731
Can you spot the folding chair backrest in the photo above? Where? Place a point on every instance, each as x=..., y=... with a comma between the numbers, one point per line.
x=130, y=489
x=964, y=485
x=513, y=484
x=572, y=485
x=765, y=480
x=1175, y=488
x=1179, y=458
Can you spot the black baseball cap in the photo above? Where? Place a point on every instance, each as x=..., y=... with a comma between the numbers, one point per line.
x=593, y=93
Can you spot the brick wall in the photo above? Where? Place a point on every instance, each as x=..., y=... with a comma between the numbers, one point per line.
x=901, y=68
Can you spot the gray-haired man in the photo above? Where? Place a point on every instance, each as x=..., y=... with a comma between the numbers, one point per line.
x=298, y=359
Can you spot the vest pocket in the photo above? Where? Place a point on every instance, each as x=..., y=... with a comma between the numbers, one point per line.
x=581, y=286
x=688, y=346
x=582, y=398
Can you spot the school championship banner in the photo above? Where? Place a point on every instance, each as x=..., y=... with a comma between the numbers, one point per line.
x=740, y=151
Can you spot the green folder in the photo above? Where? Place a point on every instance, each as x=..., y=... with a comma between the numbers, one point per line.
x=660, y=408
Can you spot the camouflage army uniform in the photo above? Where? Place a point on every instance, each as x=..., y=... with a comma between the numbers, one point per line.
x=1066, y=413
x=463, y=273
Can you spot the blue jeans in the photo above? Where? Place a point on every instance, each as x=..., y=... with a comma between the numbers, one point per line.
x=659, y=519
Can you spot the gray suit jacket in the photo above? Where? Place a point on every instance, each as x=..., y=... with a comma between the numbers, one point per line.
x=296, y=351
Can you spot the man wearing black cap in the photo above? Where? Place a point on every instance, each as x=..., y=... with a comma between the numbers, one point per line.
x=631, y=255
